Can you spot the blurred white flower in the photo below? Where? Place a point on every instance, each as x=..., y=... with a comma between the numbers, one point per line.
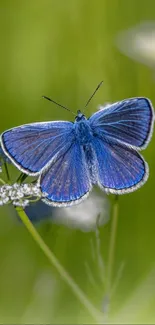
x=86, y=215
x=138, y=42
x=93, y=211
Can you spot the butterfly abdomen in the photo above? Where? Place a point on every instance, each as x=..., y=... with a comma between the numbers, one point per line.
x=91, y=161
x=84, y=137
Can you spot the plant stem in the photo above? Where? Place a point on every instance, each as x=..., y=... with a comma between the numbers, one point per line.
x=1, y=181
x=97, y=315
x=7, y=172
x=110, y=263
x=21, y=178
x=112, y=245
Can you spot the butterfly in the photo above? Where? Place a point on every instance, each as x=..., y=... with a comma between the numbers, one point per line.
x=69, y=158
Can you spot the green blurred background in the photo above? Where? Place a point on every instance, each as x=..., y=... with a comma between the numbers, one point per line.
x=63, y=49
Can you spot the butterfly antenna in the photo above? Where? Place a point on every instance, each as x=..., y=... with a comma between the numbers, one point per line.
x=99, y=85
x=53, y=101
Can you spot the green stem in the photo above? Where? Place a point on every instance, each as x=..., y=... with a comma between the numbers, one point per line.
x=21, y=178
x=112, y=246
x=110, y=263
x=98, y=316
x=7, y=172
x=1, y=181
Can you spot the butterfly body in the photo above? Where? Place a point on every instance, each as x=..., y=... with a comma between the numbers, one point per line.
x=84, y=136
x=83, y=132
x=70, y=158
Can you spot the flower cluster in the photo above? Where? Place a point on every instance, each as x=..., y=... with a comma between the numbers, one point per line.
x=19, y=194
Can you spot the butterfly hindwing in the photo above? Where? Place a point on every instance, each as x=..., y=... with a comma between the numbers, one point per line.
x=121, y=169
x=129, y=121
x=67, y=180
x=32, y=146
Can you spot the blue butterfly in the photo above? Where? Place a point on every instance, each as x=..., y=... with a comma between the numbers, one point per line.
x=70, y=158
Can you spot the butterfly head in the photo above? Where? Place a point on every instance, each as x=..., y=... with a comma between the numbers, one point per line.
x=79, y=117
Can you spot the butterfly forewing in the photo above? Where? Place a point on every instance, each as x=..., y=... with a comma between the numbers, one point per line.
x=31, y=147
x=129, y=121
